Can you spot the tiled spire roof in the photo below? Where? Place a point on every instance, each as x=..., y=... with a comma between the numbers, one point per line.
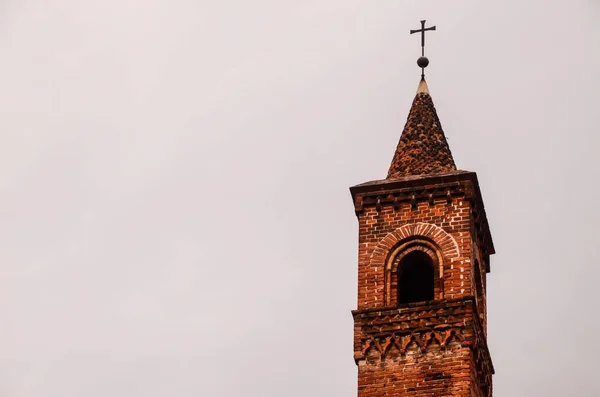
x=423, y=149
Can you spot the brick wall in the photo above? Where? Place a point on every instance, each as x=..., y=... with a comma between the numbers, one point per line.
x=435, y=348
x=451, y=226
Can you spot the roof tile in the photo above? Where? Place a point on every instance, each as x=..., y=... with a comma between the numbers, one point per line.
x=422, y=149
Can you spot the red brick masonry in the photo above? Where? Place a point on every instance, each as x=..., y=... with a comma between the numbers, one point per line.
x=429, y=349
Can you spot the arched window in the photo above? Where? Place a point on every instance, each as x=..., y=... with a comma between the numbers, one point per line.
x=478, y=283
x=414, y=273
x=415, y=277
x=479, y=291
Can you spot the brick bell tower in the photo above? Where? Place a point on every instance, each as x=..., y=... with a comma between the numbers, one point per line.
x=424, y=252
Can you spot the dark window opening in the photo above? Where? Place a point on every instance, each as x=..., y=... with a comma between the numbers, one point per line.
x=415, y=278
x=478, y=283
x=479, y=288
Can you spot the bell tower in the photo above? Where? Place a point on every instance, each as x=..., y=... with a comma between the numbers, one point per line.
x=424, y=253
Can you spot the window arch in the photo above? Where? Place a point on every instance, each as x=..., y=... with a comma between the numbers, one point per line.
x=413, y=273
x=479, y=291
x=478, y=283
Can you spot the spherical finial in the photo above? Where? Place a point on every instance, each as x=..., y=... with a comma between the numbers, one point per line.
x=423, y=62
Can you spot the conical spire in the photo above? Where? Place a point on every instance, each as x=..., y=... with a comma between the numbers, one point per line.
x=423, y=149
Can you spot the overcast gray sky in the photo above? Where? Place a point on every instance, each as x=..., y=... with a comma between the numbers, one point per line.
x=174, y=209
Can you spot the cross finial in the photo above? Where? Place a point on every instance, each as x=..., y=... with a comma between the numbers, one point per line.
x=422, y=61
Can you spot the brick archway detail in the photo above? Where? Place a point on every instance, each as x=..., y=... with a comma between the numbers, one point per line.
x=428, y=237
x=445, y=242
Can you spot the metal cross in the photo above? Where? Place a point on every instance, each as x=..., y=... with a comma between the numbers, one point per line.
x=422, y=31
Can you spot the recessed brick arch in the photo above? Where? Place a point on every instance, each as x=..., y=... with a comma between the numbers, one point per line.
x=429, y=238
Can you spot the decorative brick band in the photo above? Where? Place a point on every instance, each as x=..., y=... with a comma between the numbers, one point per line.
x=429, y=238
x=380, y=347
x=395, y=196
